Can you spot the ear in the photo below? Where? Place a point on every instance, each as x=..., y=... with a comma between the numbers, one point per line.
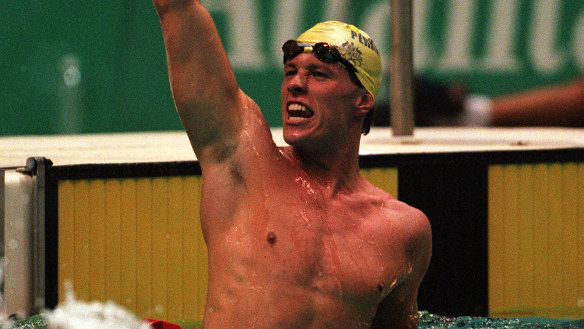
x=364, y=104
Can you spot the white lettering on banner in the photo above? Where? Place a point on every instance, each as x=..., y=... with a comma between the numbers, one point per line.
x=285, y=25
x=543, y=53
x=545, y=25
x=246, y=48
x=578, y=43
x=499, y=48
x=457, y=55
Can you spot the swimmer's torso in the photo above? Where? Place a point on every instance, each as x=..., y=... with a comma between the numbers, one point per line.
x=284, y=253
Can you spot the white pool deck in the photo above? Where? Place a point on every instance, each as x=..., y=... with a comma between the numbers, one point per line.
x=174, y=146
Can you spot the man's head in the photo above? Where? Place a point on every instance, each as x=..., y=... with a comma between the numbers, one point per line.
x=345, y=44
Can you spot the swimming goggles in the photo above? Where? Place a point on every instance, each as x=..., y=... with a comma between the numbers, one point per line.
x=323, y=51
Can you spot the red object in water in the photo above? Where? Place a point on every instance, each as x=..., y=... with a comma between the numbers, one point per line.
x=159, y=324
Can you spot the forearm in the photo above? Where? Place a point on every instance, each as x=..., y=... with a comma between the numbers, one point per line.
x=561, y=105
x=203, y=84
x=196, y=58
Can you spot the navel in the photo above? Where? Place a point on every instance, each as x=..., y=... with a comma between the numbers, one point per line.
x=271, y=238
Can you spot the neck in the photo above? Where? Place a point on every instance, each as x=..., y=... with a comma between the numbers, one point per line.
x=338, y=171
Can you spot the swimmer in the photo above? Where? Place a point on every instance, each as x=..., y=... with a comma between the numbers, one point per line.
x=296, y=237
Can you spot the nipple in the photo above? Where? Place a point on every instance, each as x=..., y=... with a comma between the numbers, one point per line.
x=380, y=286
x=271, y=238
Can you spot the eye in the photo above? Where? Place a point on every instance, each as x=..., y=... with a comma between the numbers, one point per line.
x=320, y=74
x=289, y=72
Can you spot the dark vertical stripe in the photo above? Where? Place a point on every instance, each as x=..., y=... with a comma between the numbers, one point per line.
x=51, y=240
x=454, y=197
x=2, y=211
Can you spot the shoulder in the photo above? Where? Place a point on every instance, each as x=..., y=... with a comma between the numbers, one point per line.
x=398, y=211
x=413, y=225
x=406, y=223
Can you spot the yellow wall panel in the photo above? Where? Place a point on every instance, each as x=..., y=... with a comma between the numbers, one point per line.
x=535, y=234
x=580, y=229
x=66, y=206
x=113, y=237
x=81, y=248
x=135, y=241
x=97, y=239
x=175, y=249
x=525, y=233
x=556, y=235
x=496, y=210
x=159, y=246
x=384, y=178
x=128, y=256
x=541, y=226
x=570, y=238
x=144, y=238
x=510, y=231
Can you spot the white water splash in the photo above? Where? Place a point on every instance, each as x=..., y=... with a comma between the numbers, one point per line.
x=75, y=314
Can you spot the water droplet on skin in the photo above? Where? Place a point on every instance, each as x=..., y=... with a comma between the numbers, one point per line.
x=305, y=185
x=305, y=218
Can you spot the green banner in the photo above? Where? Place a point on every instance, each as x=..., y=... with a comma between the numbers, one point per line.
x=81, y=67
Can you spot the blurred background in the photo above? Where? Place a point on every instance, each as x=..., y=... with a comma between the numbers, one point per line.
x=70, y=66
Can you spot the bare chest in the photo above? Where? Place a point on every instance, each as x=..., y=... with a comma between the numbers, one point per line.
x=325, y=248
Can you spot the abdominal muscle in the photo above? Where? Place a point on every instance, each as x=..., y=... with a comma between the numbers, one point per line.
x=284, y=307
x=275, y=300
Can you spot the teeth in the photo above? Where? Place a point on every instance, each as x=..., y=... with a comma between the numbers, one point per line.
x=299, y=111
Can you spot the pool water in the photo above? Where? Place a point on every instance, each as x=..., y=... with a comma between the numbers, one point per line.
x=427, y=321
x=433, y=321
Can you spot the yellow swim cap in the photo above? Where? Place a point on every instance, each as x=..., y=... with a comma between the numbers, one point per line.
x=354, y=45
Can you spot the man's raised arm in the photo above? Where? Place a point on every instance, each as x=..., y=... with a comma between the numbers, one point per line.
x=203, y=85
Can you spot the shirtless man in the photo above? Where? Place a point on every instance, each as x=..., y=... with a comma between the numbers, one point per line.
x=296, y=237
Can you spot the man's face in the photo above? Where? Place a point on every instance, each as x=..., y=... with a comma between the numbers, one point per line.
x=318, y=102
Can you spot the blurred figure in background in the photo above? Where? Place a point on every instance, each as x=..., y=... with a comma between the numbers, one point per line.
x=439, y=104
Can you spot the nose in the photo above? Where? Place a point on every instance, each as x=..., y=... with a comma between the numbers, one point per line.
x=297, y=84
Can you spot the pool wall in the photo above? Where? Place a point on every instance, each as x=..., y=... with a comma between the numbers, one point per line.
x=506, y=235
x=507, y=229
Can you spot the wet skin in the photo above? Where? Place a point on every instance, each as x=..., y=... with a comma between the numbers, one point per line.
x=329, y=262
x=295, y=249
x=296, y=237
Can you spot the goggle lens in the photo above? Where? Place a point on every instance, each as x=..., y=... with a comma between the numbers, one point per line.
x=321, y=50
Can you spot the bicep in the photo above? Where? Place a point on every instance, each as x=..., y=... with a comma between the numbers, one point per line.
x=400, y=308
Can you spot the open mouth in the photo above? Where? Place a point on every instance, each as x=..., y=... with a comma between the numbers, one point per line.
x=299, y=112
